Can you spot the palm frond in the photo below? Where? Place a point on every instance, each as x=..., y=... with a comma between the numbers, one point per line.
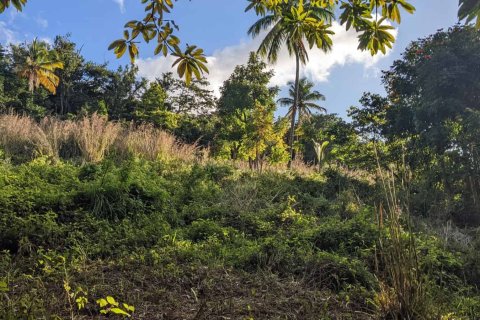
x=314, y=96
x=262, y=24
x=38, y=65
x=285, y=102
x=311, y=105
x=272, y=43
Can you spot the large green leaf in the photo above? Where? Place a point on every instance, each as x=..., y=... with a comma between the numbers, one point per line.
x=470, y=11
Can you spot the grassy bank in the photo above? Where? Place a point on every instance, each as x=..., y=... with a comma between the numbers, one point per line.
x=185, y=240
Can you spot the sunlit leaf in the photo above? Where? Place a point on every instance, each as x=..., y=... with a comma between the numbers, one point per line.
x=112, y=301
x=102, y=302
x=120, y=311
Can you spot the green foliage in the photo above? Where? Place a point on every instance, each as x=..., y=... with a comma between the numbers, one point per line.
x=18, y=4
x=469, y=11
x=355, y=236
x=152, y=102
x=194, y=99
x=338, y=272
x=431, y=103
x=201, y=230
x=376, y=37
x=246, y=111
x=200, y=238
x=247, y=84
x=264, y=139
x=345, y=146
x=370, y=119
x=38, y=64
x=115, y=193
x=306, y=100
x=81, y=86
x=168, y=221
x=110, y=305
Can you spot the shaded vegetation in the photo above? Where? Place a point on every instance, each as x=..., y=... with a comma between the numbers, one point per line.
x=121, y=197
x=177, y=240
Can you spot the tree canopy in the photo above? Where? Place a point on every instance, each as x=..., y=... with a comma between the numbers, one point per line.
x=365, y=16
x=368, y=17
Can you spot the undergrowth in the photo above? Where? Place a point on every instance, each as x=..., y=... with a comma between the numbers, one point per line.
x=173, y=240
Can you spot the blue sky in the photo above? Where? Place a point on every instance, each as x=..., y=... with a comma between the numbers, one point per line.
x=219, y=26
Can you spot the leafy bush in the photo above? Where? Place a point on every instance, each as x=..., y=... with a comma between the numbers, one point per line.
x=349, y=236
x=174, y=224
x=336, y=272
x=201, y=230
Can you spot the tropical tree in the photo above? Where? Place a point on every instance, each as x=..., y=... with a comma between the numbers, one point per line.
x=158, y=26
x=264, y=138
x=298, y=26
x=306, y=100
x=321, y=152
x=469, y=10
x=72, y=73
x=241, y=93
x=369, y=119
x=37, y=64
x=247, y=84
x=432, y=119
x=194, y=99
x=14, y=92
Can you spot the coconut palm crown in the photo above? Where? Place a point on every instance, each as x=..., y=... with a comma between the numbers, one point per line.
x=299, y=26
x=306, y=100
x=38, y=64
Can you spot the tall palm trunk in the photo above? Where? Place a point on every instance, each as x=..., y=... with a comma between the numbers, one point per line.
x=294, y=110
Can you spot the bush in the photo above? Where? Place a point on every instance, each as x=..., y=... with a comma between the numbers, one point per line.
x=173, y=231
x=332, y=271
x=115, y=193
x=201, y=230
x=349, y=236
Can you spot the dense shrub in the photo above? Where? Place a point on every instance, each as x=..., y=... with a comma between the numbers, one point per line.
x=175, y=220
x=349, y=236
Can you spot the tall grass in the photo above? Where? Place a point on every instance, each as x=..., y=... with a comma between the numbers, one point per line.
x=95, y=136
x=89, y=139
x=22, y=138
x=152, y=144
x=403, y=293
x=56, y=135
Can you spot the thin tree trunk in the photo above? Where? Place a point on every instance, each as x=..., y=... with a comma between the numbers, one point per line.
x=32, y=97
x=62, y=98
x=294, y=110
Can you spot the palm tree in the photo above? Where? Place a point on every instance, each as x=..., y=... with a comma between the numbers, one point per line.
x=293, y=24
x=306, y=100
x=38, y=64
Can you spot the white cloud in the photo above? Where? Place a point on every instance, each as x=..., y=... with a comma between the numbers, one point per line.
x=372, y=73
x=10, y=36
x=42, y=22
x=14, y=14
x=152, y=68
x=121, y=4
x=46, y=40
x=7, y=35
x=318, y=68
